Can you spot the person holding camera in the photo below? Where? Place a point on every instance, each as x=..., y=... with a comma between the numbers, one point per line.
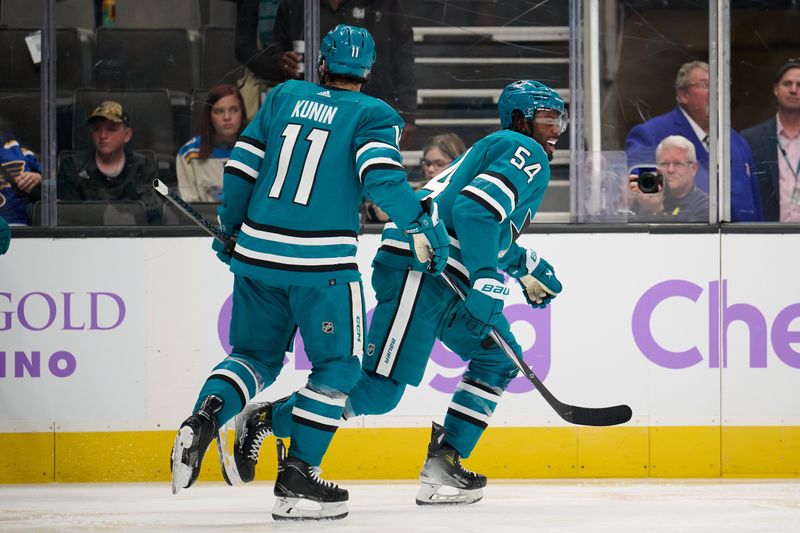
x=690, y=118
x=668, y=193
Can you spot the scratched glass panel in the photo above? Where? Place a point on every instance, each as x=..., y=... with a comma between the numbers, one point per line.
x=764, y=41
x=646, y=96
x=464, y=53
x=20, y=111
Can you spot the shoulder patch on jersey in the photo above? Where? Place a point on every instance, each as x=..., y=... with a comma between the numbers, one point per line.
x=516, y=231
x=11, y=144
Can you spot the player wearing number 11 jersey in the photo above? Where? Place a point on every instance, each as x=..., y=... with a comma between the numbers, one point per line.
x=486, y=198
x=291, y=195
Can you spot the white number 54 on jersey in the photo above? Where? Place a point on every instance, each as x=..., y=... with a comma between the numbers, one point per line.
x=520, y=159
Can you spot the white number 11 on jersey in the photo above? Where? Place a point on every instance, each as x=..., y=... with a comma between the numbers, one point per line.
x=317, y=138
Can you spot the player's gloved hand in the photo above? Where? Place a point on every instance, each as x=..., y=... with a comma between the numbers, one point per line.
x=483, y=306
x=538, y=279
x=225, y=251
x=5, y=236
x=429, y=235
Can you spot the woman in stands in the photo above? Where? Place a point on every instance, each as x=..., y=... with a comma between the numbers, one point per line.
x=200, y=161
x=438, y=152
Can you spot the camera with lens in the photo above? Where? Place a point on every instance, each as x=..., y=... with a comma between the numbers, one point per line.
x=649, y=181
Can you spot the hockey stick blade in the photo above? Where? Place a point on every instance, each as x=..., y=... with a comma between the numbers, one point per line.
x=211, y=228
x=582, y=416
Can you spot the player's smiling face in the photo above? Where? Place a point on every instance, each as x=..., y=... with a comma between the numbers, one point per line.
x=546, y=130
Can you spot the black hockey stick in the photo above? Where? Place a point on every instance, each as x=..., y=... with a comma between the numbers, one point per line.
x=583, y=416
x=211, y=228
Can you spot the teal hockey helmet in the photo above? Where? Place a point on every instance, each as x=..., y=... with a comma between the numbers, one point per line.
x=347, y=51
x=528, y=96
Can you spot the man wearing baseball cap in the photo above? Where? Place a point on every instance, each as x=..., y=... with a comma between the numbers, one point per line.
x=110, y=171
x=776, y=148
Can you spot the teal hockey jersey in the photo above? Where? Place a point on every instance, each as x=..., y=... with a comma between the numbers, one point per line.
x=486, y=197
x=296, y=177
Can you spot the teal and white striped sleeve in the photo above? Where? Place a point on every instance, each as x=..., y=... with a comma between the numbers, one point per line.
x=380, y=166
x=492, y=196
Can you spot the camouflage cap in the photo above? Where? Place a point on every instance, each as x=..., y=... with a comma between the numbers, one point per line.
x=109, y=110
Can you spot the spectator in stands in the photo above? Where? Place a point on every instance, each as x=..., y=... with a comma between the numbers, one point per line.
x=690, y=119
x=20, y=181
x=110, y=171
x=392, y=79
x=254, y=22
x=678, y=199
x=776, y=148
x=437, y=153
x=199, y=163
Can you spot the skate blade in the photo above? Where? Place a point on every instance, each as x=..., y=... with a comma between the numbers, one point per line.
x=302, y=509
x=181, y=472
x=226, y=461
x=435, y=494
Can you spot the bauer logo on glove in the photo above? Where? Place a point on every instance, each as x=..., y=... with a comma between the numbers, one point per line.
x=493, y=289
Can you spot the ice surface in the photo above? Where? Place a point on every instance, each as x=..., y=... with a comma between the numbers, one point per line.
x=642, y=506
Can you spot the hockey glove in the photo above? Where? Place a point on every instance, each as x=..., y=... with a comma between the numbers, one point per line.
x=538, y=279
x=483, y=306
x=431, y=243
x=225, y=251
x=5, y=236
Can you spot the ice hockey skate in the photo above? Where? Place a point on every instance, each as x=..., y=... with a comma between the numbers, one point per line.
x=253, y=425
x=444, y=480
x=194, y=436
x=302, y=495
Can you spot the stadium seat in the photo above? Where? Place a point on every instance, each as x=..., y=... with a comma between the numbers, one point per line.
x=121, y=213
x=218, y=63
x=171, y=216
x=146, y=59
x=222, y=13
x=20, y=114
x=28, y=14
x=74, y=60
x=157, y=14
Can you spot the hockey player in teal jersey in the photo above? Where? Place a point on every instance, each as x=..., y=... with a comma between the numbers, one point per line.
x=486, y=197
x=291, y=195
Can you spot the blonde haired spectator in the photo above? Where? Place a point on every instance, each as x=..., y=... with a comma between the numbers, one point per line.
x=438, y=152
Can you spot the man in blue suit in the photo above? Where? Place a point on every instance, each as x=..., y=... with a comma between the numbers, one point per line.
x=776, y=148
x=690, y=119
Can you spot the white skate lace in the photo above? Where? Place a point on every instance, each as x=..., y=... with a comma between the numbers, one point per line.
x=464, y=471
x=261, y=434
x=315, y=473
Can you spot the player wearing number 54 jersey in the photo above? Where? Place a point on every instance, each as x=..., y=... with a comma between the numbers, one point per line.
x=486, y=198
x=291, y=195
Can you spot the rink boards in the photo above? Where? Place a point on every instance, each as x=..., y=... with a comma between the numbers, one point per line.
x=106, y=342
